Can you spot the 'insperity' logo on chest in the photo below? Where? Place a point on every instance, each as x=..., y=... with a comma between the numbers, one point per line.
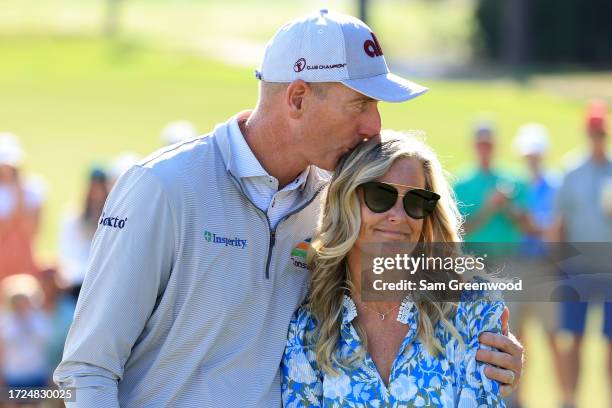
x=218, y=239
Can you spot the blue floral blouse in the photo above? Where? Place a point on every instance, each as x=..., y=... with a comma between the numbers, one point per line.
x=452, y=379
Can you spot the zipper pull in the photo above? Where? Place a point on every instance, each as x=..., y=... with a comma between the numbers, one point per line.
x=272, y=238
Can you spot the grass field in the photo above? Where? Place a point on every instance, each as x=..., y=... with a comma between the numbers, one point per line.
x=75, y=99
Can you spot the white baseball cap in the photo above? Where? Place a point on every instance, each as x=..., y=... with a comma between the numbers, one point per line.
x=484, y=131
x=122, y=163
x=11, y=152
x=532, y=138
x=334, y=47
x=178, y=131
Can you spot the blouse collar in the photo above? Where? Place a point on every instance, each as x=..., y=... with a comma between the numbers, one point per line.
x=407, y=313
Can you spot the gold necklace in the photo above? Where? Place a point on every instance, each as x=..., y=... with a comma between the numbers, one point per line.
x=380, y=314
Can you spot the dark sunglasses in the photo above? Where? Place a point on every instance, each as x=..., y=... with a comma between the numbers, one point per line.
x=381, y=197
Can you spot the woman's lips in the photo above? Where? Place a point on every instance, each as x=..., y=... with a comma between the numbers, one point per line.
x=392, y=234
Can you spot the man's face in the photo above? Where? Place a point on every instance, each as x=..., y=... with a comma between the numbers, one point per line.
x=596, y=129
x=534, y=161
x=484, y=151
x=597, y=138
x=8, y=174
x=335, y=122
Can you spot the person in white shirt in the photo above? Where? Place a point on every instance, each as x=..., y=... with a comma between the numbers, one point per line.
x=77, y=231
x=24, y=335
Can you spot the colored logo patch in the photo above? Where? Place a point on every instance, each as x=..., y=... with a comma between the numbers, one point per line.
x=299, y=252
x=299, y=65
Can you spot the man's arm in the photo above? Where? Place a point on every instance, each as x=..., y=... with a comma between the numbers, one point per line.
x=556, y=233
x=491, y=205
x=131, y=258
x=521, y=218
x=516, y=209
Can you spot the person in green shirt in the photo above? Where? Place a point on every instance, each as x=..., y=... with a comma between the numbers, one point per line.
x=493, y=203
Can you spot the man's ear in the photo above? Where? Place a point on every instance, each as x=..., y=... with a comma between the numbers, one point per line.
x=294, y=97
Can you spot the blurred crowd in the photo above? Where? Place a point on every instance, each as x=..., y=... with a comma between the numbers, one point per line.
x=37, y=302
x=576, y=208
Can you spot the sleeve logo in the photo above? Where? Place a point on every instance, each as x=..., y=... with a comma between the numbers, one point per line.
x=113, y=222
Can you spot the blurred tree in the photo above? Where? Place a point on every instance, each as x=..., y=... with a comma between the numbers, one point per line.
x=113, y=13
x=514, y=35
x=546, y=31
x=488, y=20
x=363, y=10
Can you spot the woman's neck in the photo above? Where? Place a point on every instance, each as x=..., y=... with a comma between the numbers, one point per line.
x=355, y=263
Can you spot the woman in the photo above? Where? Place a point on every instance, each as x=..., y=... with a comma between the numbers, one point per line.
x=77, y=232
x=344, y=352
x=21, y=200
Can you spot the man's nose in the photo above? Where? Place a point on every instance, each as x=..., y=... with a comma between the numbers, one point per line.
x=371, y=122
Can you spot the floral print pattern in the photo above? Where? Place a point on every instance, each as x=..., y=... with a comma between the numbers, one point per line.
x=451, y=379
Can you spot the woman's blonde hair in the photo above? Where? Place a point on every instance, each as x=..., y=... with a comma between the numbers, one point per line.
x=339, y=228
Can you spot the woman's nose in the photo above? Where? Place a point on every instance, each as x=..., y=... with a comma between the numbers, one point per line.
x=397, y=213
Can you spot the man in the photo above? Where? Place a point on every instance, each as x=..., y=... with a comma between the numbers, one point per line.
x=584, y=214
x=493, y=204
x=532, y=144
x=494, y=207
x=191, y=285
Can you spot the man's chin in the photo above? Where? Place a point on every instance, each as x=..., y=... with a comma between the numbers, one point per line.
x=332, y=166
x=326, y=165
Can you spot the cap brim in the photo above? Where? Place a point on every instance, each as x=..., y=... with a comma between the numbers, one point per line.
x=386, y=87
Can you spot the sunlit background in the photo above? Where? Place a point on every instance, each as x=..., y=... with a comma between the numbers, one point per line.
x=83, y=80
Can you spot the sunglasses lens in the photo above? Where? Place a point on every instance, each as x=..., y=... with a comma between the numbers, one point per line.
x=420, y=203
x=379, y=197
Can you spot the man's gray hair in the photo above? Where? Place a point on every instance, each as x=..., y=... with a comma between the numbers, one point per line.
x=269, y=89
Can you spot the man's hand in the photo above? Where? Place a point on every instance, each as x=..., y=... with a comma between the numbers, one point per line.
x=496, y=200
x=509, y=358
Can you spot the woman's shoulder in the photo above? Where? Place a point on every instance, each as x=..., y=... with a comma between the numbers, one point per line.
x=479, y=310
x=302, y=324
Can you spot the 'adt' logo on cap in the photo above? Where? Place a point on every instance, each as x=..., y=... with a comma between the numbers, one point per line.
x=372, y=47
